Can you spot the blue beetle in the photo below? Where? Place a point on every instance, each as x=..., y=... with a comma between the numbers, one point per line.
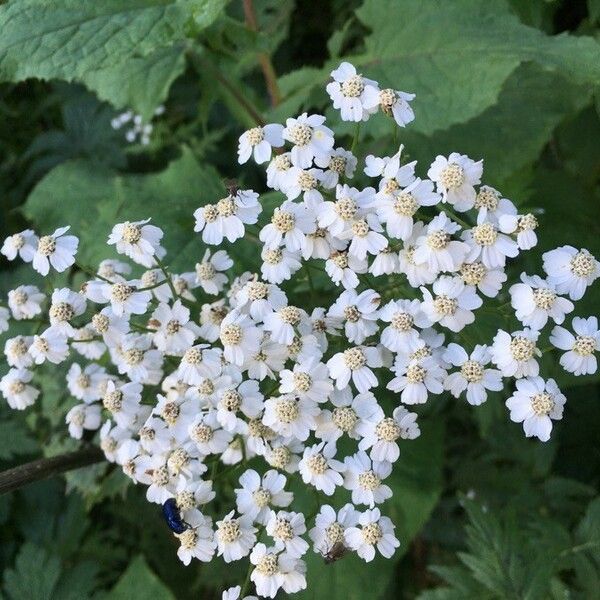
x=173, y=517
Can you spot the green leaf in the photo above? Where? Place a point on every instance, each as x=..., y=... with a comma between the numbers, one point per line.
x=34, y=575
x=15, y=440
x=141, y=583
x=127, y=51
x=92, y=199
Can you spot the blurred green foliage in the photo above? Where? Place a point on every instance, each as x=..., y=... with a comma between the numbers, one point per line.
x=481, y=511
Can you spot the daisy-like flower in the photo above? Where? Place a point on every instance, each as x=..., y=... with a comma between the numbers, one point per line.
x=16, y=389
x=536, y=403
x=286, y=529
x=226, y=218
x=344, y=268
x=309, y=380
x=208, y=272
x=536, y=300
x=354, y=95
x=437, y=249
x=416, y=379
x=395, y=104
x=111, y=269
x=273, y=571
x=403, y=316
x=84, y=343
x=198, y=540
x=522, y=226
x=381, y=433
x=374, y=532
x=199, y=362
x=51, y=346
x=487, y=281
x=579, y=357
x=288, y=227
x=571, y=270
x=397, y=209
x=455, y=178
x=123, y=296
x=235, y=537
x=310, y=137
x=111, y=327
x=363, y=478
x=339, y=163
x=22, y=244
x=233, y=593
x=330, y=527
x=358, y=312
x=279, y=264
x=282, y=323
x=65, y=306
x=175, y=333
x=490, y=202
x=278, y=171
x=319, y=469
x=355, y=363
x=238, y=397
x=138, y=360
x=453, y=303
x=123, y=402
x=365, y=237
x=515, y=354
x=385, y=263
x=257, y=495
x=208, y=435
x=16, y=350
x=83, y=416
x=303, y=182
x=86, y=384
x=139, y=241
x=259, y=299
x=290, y=417
x=240, y=337
x=489, y=245
x=57, y=250
x=337, y=217
x=258, y=142
x=473, y=375
x=268, y=361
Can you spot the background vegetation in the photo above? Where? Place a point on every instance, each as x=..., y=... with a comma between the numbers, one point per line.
x=481, y=511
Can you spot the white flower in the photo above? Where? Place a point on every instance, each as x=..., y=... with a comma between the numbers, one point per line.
x=571, y=270
x=199, y=362
x=282, y=323
x=111, y=327
x=238, y=397
x=289, y=225
x=385, y=263
x=279, y=264
x=274, y=571
x=310, y=137
x=286, y=529
x=397, y=208
x=257, y=495
x=473, y=376
x=358, y=312
x=416, y=379
x=535, y=300
x=354, y=95
x=579, y=357
x=344, y=268
x=290, y=417
x=514, y=354
x=175, y=333
x=364, y=478
x=227, y=217
x=17, y=353
x=57, y=250
x=206, y=432
x=490, y=202
x=535, y=403
x=337, y=217
x=365, y=237
x=269, y=360
x=403, y=316
x=50, y=346
x=303, y=182
x=84, y=343
x=455, y=177
x=354, y=363
x=233, y=593
x=235, y=537
x=523, y=226
x=308, y=380
x=330, y=528
x=66, y=305
x=394, y=103
x=198, y=540
x=319, y=469
x=23, y=244
x=83, y=416
x=488, y=245
x=86, y=384
x=111, y=269
x=4, y=317
x=123, y=296
x=240, y=337
x=208, y=274
x=259, y=141
x=138, y=360
x=487, y=281
x=123, y=402
x=339, y=163
x=277, y=171
x=16, y=389
x=375, y=532
x=380, y=433
x=452, y=304
x=259, y=299
x=139, y=241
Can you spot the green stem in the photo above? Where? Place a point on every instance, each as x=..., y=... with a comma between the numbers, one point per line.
x=91, y=272
x=167, y=275
x=356, y=136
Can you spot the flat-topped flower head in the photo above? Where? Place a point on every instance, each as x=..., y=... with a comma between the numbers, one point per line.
x=57, y=250
x=259, y=494
x=358, y=313
x=258, y=142
x=515, y=354
x=455, y=178
x=310, y=139
x=354, y=95
x=374, y=532
x=139, y=241
x=364, y=478
x=340, y=163
x=209, y=272
x=579, y=357
x=571, y=270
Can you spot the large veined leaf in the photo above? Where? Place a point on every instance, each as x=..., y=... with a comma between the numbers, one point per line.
x=140, y=582
x=127, y=51
x=92, y=199
x=454, y=55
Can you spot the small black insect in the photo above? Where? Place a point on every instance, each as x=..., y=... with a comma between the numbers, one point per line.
x=173, y=517
x=232, y=187
x=335, y=553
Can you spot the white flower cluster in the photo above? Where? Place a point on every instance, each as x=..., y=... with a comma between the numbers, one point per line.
x=137, y=130
x=190, y=376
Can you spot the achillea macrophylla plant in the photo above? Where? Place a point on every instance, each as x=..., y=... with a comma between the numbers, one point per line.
x=189, y=377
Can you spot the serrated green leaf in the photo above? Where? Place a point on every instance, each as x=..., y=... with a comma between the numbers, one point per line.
x=141, y=583
x=34, y=575
x=15, y=440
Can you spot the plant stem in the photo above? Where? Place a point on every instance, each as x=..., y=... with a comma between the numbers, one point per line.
x=264, y=59
x=91, y=272
x=356, y=136
x=43, y=468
